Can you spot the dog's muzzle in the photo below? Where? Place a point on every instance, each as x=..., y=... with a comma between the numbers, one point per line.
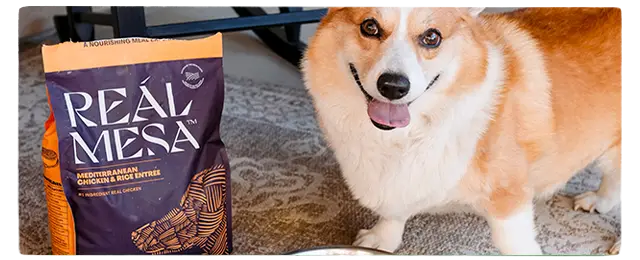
x=369, y=98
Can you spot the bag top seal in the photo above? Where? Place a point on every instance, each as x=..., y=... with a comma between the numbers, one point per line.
x=124, y=51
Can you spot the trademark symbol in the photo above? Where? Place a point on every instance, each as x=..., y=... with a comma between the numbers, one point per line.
x=192, y=121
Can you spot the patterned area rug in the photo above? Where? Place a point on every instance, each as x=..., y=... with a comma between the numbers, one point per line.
x=286, y=187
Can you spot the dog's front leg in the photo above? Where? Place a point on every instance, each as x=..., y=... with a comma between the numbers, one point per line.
x=386, y=235
x=514, y=233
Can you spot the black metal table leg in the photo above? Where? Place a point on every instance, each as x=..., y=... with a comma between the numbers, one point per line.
x=275, y=38
x=280, y=32
x=70, y=28
x=292, y=30
x=128, y=22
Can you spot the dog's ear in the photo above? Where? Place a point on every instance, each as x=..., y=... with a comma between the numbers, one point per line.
x=334, y=9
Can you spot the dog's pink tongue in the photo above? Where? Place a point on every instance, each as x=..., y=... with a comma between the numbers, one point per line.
x=389, y=114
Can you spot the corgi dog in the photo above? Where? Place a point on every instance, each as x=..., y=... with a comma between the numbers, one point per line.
x=423, y=107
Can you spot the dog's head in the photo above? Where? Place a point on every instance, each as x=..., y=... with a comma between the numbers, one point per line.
x=398, y=56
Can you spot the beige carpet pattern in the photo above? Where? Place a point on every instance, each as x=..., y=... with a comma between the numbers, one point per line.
x=286, y=187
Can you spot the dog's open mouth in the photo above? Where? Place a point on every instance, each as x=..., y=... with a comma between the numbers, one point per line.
x=385, y=115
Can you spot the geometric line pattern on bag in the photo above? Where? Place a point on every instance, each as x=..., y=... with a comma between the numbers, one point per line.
x=200, y=220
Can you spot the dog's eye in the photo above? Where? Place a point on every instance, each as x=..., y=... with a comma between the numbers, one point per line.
x=431, y=38
x=370, y=28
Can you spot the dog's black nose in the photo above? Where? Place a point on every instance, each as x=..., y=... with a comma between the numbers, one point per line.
x=393, y=85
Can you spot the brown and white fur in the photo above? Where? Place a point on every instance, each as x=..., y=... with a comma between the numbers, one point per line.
x=524, y=101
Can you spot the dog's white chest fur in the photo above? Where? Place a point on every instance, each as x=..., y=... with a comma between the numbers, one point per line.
x=409, y=170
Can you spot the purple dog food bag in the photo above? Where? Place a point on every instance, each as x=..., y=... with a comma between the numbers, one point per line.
x=133, y=159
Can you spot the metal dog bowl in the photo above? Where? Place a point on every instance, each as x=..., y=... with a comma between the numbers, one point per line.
x=338, y=250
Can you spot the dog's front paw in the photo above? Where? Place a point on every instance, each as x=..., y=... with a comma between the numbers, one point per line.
x=371, y=239
x=590, y=202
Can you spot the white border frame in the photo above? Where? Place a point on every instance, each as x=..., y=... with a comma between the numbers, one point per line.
x=632, y=84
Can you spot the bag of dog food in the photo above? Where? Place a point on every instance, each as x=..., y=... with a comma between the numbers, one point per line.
x=133, y=160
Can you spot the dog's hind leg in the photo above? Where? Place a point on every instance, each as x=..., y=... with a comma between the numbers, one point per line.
x=608, y=194
x=615, y=249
